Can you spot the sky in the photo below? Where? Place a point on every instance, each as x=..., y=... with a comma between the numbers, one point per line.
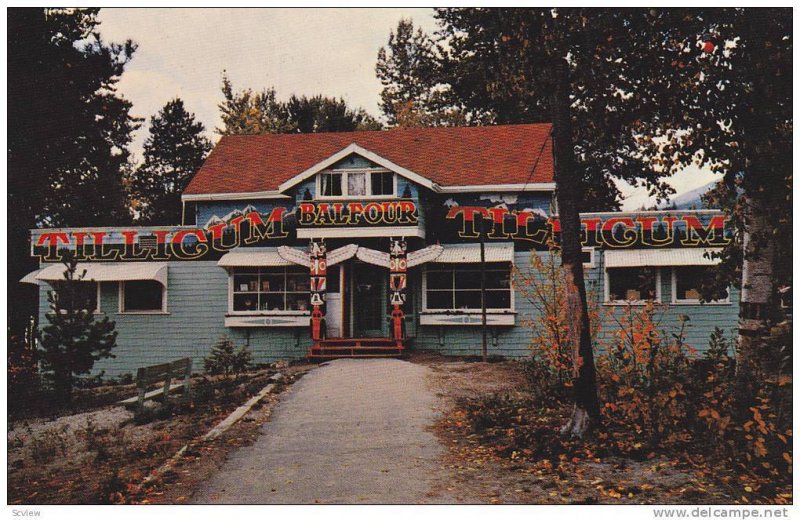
x=183, y=53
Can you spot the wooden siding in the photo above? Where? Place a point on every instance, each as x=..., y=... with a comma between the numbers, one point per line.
x=197, y=300
x=514, y=341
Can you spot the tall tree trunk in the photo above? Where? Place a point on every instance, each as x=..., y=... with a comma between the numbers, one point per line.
x=587, y=410
x=756, y=307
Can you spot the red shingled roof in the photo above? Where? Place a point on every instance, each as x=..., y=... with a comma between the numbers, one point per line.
x=504, y=154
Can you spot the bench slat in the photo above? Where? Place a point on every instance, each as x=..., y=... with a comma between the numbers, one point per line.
x=179, y=370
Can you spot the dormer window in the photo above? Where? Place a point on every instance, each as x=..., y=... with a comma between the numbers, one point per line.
x=382, y=183
x=356, y=184
x=331, y=184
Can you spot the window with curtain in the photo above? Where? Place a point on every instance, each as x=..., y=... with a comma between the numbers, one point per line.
x=331, y=184
x=356, y=184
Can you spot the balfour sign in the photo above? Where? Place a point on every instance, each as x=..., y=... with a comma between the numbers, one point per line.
x=460, y=223
x=358, y=214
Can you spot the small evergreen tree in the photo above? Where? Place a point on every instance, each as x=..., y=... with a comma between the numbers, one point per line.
x=173, y=152
x=74, y=338
x=226, y=359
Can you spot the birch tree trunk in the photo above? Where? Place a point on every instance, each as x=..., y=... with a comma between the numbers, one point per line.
x=757, y=298
x=587, y=410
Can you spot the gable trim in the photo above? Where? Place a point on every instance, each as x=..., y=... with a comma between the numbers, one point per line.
x=192, y=197
x=363, y=152
x=531, y=186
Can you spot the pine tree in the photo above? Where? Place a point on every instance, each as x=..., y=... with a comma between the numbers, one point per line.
x=226, y=359
x=74, y=337
x=173, y=152
x=68, y=132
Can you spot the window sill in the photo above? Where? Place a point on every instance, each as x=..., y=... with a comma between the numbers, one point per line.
x=267, y=320
x=698, y=302
x=334, y=198
x=231, y=314
x=470, y=311
x=143, y=313
x=454, y=317
x=631, y=303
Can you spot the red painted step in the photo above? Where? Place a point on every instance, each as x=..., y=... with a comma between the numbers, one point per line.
x=333, y=348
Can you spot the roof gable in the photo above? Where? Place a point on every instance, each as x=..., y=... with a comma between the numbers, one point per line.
x=358, y=150
x=507, y=155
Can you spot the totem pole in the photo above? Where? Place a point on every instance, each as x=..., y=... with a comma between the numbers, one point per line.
x=319, y=263
x=398, y=265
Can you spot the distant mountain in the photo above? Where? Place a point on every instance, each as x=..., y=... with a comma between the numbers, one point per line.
x=690, y=199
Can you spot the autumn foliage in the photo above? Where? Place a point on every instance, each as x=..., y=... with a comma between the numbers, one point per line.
x=660, y=397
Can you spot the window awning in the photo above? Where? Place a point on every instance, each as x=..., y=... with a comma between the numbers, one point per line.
x=253, y=257
x=31, y=278
x=471, y=253
x=660, y=257
x=104, y=272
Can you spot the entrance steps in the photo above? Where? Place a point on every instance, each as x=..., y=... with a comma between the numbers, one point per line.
x=335, y=348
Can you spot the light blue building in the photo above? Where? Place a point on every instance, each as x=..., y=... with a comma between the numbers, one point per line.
x=368, y=243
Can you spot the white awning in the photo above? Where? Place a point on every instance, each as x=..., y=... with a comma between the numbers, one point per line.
x=471, y=253
x=426, y=254
x=31, y=278
x=373, y=256
x=659, y=257
x=253, y=257
x=108, y=272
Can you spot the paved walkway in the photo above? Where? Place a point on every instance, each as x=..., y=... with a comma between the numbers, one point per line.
x=351, y=431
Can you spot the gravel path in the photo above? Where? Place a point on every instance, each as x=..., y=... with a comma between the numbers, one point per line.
x=350, y=431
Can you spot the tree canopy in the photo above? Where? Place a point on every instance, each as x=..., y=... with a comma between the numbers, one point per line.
x=69, y=129
x=260, y=112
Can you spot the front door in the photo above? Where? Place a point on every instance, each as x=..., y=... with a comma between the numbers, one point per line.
x=333, y=298
x=369, y=300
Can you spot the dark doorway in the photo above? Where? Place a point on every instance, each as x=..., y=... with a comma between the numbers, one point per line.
x=368, y=300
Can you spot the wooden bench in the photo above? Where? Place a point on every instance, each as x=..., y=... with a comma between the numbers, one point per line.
x=179, y=370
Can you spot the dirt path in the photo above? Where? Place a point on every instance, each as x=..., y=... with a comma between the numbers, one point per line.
x=351, y=431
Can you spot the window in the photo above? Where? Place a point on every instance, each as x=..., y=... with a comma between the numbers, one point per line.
x=382, y=183
x=331, y=184
x=631, y=284
x=346, y=183
x=686, y=283
x=457, y=287
x=84, y=295
x=270, y=290
x=587, y=257
x=356, y=184
x=142, y=296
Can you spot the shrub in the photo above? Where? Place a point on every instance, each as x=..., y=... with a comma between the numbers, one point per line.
x=24, y=386
x=644, y=373
x=226, y=359
x=553, y=338
x=73, y=339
